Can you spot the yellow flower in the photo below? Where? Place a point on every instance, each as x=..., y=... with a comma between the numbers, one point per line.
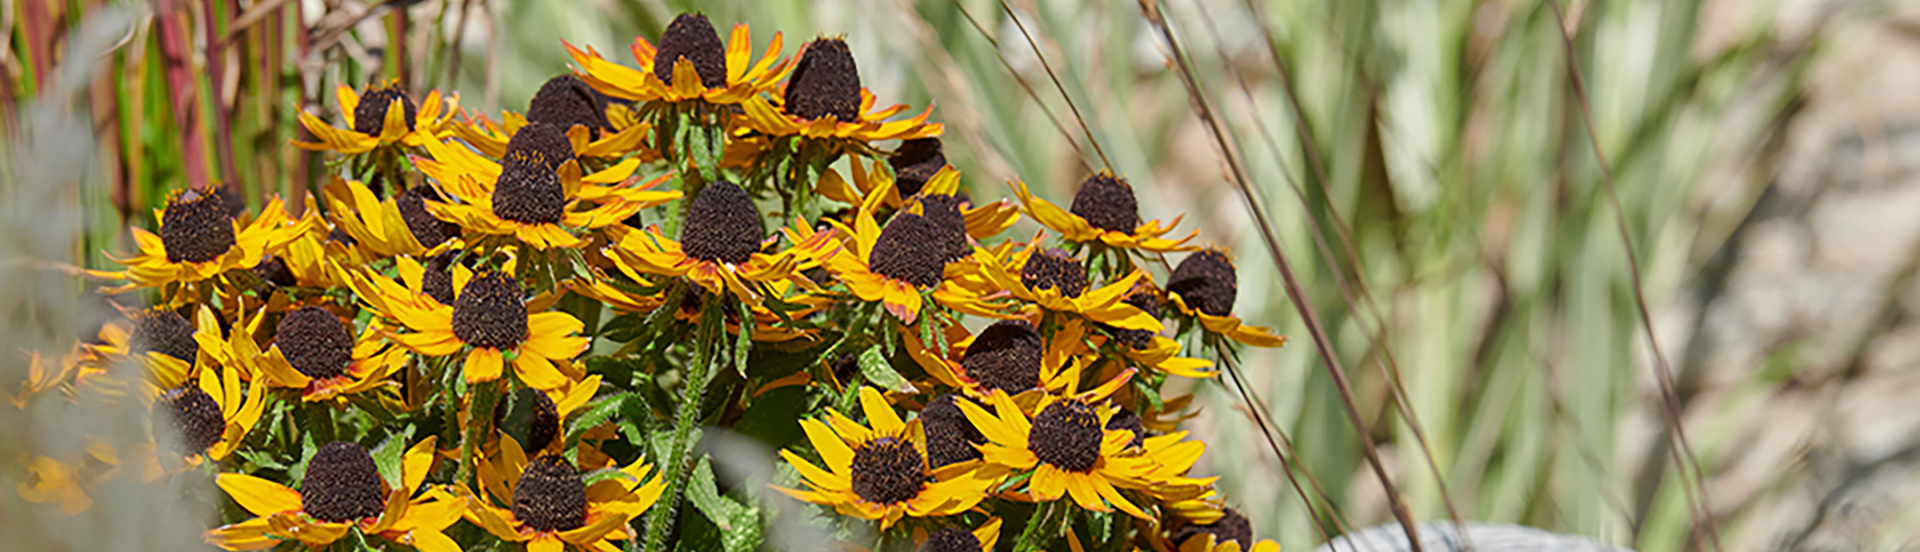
x=546, y=432
x=162, y=341
x=342, y=490
x=1052, y=281
x=199, y=240
x=1214, y=530
x=313, y=351
x=384, y=116
x=1007, y=356
x=1203, y=286
x=693, y=74
x=389, y=227
x=824, y=99
x=43, y=375
x=489, y=317
x=550, y=507
x=68, y=484
x=1070, y=451
x=210, y=415
x=720, y=247
x=881, y=473
x=536, y=196
x=629, y=136
x=1151, y=349
x=982, y=221
x=1103, y=210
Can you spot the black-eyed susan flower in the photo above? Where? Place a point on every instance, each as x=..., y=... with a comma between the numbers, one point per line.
x=895, y=265
x=688, y=65
x=68, y=483
x=1151, y=349
x=545, y=503
x=1230, y=532
x=341, y=491
x=200, y=239
x=383, y=116
x=537, y=192
x=44, y=374
x=399, y=225
x=823, y=99
x=936, y=194
x=490, y=319
x=207, y=417
x=882, y=473
x=1008, y=356
x=1204, y=287
x=720, y=247
x=1070, y=451
x=313, y=351
x=1105, y=210
x=598, y=127
x=1055, y=282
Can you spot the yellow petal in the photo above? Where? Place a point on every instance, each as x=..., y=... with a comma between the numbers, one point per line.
x=483, y=364
x=260, y=496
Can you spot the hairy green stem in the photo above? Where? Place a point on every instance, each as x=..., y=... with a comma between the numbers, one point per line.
x=479, y=424
x=679, y=454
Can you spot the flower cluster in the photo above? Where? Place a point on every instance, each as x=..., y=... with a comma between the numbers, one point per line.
x=482, y=329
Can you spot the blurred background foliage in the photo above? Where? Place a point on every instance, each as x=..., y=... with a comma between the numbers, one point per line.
x=1425, y=164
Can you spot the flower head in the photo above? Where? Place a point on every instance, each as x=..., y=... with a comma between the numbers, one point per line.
x=687, y=66
x=532, y=195
x=199, y=240
x=546, y=503
x=313, y=351
x=720, y=248
x=1231, y=532
x=1070, y=449
x=881, y=473
x=1204, y=286
x=823, y=99
x=490, y=320
x=1104, y=210
x=385, y=115
x=342, y=490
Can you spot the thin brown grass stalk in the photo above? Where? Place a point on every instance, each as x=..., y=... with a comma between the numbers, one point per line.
x=1377, y=338
x=1693, y=481
x=1024, y=85
x=216, y=75
x=1295, y=292
x=1288, y=459
x=1056, y=84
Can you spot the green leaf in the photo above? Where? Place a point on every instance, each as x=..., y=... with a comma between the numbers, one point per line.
x=873, y=364
x=739, y=525
x=388, y=455
x=774, y=416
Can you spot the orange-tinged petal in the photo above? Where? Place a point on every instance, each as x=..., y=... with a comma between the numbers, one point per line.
x=483, y=364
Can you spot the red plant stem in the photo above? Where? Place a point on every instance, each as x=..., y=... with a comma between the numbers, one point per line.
x=216, y=75
x=179, y=71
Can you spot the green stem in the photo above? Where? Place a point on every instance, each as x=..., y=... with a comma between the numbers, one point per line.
x=679, y=450
x=1040, y=529
x=479, y=425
